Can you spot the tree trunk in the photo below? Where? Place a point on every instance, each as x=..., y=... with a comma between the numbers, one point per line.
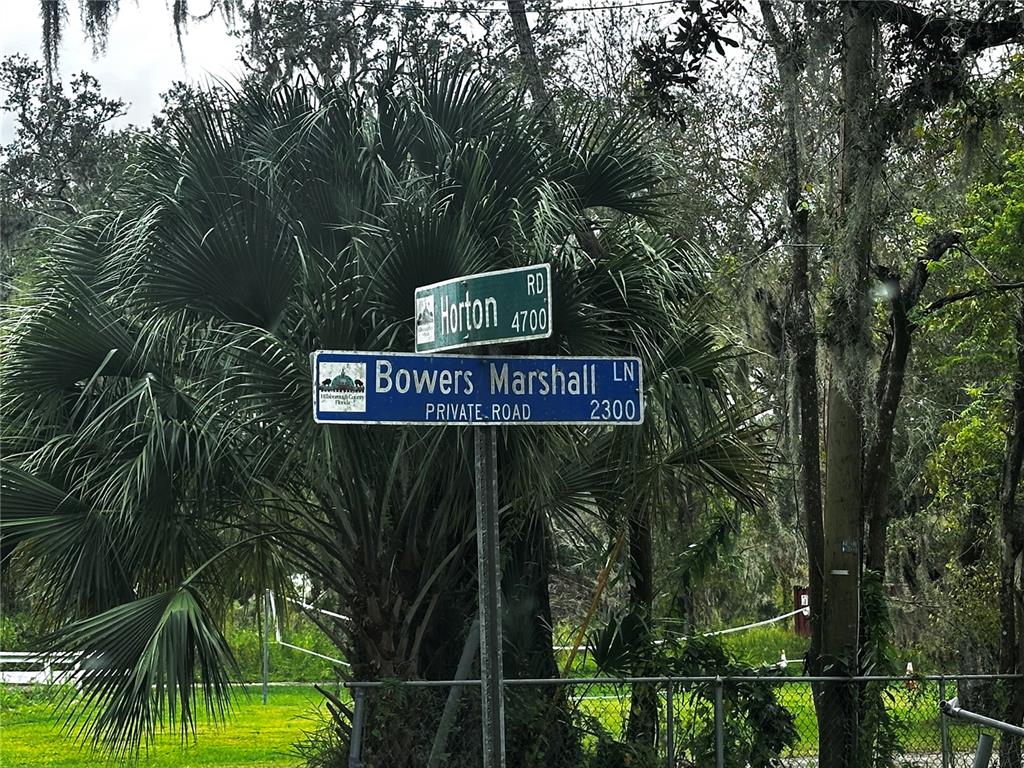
x=878, y=459
x=889, y=392
x=528, y=53
x=527, y=604
x=801, y=334
x=538, y=721
x=1011, y=589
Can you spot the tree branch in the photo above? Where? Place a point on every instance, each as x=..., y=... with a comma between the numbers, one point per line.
x=937, y=247
x=987, y=290
x=977, y=35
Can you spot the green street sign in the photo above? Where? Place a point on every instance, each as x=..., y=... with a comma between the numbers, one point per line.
x=488, y=308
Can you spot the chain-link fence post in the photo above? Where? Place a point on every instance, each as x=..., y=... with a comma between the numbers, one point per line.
x=983, y=754
x=719, y=725
x=670, y=726
x=355, y=749
x=266, y=644
x=943, y=725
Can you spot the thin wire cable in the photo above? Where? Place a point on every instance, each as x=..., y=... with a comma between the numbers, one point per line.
x=806, y=611
x=500, y=8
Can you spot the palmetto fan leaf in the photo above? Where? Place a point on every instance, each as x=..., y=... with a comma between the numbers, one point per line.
x=421, y=239
x=224, y=254
x=463, y=105
x=603, y=158
x=141, y=659
x=70, y=336
x=76, y=547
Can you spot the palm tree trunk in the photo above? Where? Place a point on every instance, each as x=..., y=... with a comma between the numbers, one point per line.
x=642, y=726
x=528, y=612
x=538, y=723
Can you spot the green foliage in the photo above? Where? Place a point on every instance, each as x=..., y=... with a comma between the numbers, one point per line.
x=976, y=332
x=964, y=467
x=999, y=235
x=880, y=729
x=29, y=698
x=609, y=753
x=617, y=645
x=944, y=538
x=759, y=728
x=18, y=633
x=718, y=535
x=323, y=744
x=962, y=474
x=63, y=159
x=175, y=655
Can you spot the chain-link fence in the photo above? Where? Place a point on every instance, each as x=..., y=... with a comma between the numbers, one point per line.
x=675, y=722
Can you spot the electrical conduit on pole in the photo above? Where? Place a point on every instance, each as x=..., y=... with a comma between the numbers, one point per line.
x=943, y=725
x=719, y=725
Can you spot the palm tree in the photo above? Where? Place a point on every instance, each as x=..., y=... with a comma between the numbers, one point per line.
x=160, y=450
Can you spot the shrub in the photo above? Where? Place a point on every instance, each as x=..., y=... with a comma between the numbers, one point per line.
x=17, y=633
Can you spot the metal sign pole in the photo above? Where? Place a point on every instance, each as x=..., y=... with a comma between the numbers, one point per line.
x=492, y=702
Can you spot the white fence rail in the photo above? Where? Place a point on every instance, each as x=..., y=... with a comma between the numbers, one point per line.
x=37, y=669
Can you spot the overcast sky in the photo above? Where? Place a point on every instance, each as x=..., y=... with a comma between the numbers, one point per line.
x=141, y=59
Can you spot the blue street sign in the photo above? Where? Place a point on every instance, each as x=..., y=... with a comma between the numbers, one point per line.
x=400, y=388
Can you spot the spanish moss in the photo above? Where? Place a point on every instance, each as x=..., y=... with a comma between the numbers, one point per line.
x=53, y=12
x=96, y=18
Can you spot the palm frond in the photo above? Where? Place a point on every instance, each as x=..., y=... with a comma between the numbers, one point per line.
x=603, y=158
x=77, y=551
x=143, y=663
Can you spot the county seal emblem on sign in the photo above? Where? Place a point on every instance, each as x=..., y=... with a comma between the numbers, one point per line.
x=424, y=319
x=342, y=387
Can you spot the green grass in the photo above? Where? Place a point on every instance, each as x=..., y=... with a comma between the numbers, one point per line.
x=260, y=735
x=256, y=735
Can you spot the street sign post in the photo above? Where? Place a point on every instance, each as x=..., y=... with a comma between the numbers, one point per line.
x=488, y=308
x=401, y=388
x=488, y=558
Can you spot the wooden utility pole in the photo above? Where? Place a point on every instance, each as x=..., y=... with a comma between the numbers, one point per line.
x=848, y=353
x=1011, y=573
